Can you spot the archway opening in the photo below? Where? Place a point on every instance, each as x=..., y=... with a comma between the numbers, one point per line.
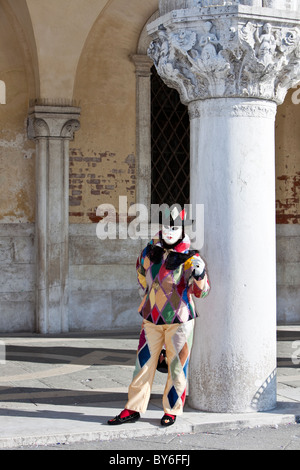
x=170, y=145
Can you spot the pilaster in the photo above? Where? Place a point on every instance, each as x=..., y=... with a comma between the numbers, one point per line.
x=143, y=66
x=52, y=127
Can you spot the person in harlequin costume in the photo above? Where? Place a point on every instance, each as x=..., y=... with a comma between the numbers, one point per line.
x=170, y=274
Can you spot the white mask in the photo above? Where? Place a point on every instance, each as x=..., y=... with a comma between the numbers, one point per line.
x=171, y=235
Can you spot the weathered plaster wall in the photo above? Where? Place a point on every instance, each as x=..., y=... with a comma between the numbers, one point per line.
x=17, y=179
x=103, y=156
x=103, y=285
x=288, y=160
x=288, y=273
x=288, y=208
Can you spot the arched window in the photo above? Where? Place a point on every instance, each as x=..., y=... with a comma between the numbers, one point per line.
x=163, y=134
x=2, y=92
x=170, y=145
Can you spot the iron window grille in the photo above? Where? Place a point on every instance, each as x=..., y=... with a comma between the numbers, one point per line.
x=170, y=145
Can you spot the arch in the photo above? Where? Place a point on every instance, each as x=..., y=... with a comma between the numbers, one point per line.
x=170, y=145
x=107, y=97
x=144, y=39
x=17, y=85
x=144, y=67
x=21, y=22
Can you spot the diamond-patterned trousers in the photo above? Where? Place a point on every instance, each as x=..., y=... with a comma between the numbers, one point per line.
x=178, y=339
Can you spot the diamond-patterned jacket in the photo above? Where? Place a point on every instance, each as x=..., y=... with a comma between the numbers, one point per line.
x=169, y=283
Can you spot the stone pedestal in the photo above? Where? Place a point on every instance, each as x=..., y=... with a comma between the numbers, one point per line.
x=232, y=63
x=52, y=128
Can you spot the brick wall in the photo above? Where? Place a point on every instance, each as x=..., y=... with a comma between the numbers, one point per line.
x=98, y=178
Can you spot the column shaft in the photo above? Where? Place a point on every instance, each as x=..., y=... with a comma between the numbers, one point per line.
x=143, y=137
x=41, y=236
x=232, y=63
x=233, y=174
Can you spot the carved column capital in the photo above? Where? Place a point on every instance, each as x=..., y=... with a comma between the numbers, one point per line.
x=142, y=64
x=227, y=52
x=53, y=122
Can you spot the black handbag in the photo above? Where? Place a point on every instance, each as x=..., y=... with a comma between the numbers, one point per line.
x=162, y=365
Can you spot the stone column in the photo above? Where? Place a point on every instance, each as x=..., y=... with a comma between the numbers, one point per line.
x=52, y=127
x=232, y=64
x=143, y=123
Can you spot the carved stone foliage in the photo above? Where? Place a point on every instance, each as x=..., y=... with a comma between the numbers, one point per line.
x=228, y=57
x=69, y=128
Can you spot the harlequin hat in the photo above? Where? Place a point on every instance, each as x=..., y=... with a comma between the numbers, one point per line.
x=174, y=215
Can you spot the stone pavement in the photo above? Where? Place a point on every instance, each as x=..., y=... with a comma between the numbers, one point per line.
x=62, y=389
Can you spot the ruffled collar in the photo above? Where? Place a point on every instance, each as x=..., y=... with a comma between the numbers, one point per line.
x=173, y=257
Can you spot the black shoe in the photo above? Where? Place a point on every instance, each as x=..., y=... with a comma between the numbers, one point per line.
x=118, y=420
x=167, y=420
